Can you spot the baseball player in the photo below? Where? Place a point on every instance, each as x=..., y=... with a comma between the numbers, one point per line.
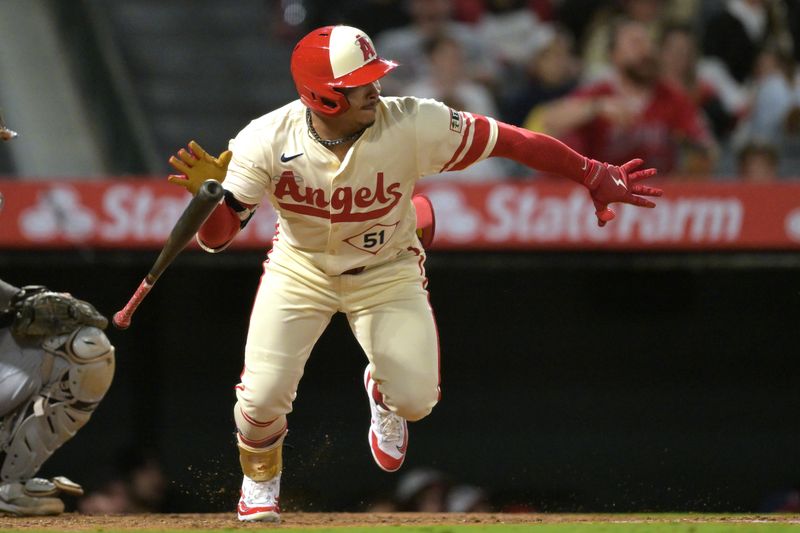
x=56, y=364
x=339, y=166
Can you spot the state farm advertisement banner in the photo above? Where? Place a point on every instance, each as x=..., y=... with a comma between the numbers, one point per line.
x=533, y=215
x=134, y=213
x=551, y=214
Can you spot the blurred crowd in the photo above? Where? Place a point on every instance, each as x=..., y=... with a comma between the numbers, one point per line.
x=138, y=485
x=427, y=490
x=702, y=89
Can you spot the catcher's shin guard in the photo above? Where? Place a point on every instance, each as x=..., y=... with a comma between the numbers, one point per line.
x=81, y=373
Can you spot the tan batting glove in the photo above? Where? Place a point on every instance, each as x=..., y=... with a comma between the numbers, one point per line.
x=196, y=166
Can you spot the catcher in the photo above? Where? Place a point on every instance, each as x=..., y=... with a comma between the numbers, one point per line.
x=56, y=364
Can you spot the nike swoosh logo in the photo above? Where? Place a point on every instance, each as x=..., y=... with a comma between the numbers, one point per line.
x=402, y=449
x=285, y=159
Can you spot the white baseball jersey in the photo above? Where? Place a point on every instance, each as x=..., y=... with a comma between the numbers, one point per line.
x=358, y=212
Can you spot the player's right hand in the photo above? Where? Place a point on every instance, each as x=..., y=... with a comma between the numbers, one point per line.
x=196, y=166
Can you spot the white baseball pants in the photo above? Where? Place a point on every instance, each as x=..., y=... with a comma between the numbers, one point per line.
x=389, y=312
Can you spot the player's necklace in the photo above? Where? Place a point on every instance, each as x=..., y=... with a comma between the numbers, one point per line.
x=325, y=142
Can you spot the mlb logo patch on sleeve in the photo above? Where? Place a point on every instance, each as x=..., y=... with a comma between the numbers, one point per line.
x=455, y=121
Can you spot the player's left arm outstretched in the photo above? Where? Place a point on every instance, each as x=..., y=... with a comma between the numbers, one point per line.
x=607, y=183
x=451, y=140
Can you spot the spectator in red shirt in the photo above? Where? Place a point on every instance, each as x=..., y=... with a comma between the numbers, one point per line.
x=634, y=112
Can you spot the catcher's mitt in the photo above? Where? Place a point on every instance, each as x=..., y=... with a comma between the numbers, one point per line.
x=40, y=312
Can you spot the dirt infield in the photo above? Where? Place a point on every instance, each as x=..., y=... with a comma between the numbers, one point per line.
x=72, y=521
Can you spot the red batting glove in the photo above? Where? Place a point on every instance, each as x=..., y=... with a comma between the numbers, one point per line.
x=611, y=183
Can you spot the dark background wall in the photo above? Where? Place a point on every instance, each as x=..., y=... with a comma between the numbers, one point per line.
x=570, y=382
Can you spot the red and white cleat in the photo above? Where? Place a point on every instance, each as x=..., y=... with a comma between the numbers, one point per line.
x=388, y=432
x=259, y=500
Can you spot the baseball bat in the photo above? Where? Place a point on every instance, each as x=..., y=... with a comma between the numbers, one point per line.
x=187, y=225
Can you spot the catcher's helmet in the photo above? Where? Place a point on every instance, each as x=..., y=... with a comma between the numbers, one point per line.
x=334, y=57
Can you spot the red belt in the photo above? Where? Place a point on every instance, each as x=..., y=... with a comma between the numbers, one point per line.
x=353, y=271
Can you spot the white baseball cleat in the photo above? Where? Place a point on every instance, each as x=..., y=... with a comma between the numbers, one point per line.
x=31, y=498
x=259, y=500
x=388, y=432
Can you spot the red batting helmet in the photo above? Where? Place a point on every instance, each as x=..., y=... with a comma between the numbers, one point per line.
x=334, y=57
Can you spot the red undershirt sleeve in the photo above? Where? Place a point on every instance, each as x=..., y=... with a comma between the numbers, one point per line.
x=539, y=151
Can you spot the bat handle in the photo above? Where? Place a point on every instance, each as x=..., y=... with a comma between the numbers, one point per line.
x=122, y=318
